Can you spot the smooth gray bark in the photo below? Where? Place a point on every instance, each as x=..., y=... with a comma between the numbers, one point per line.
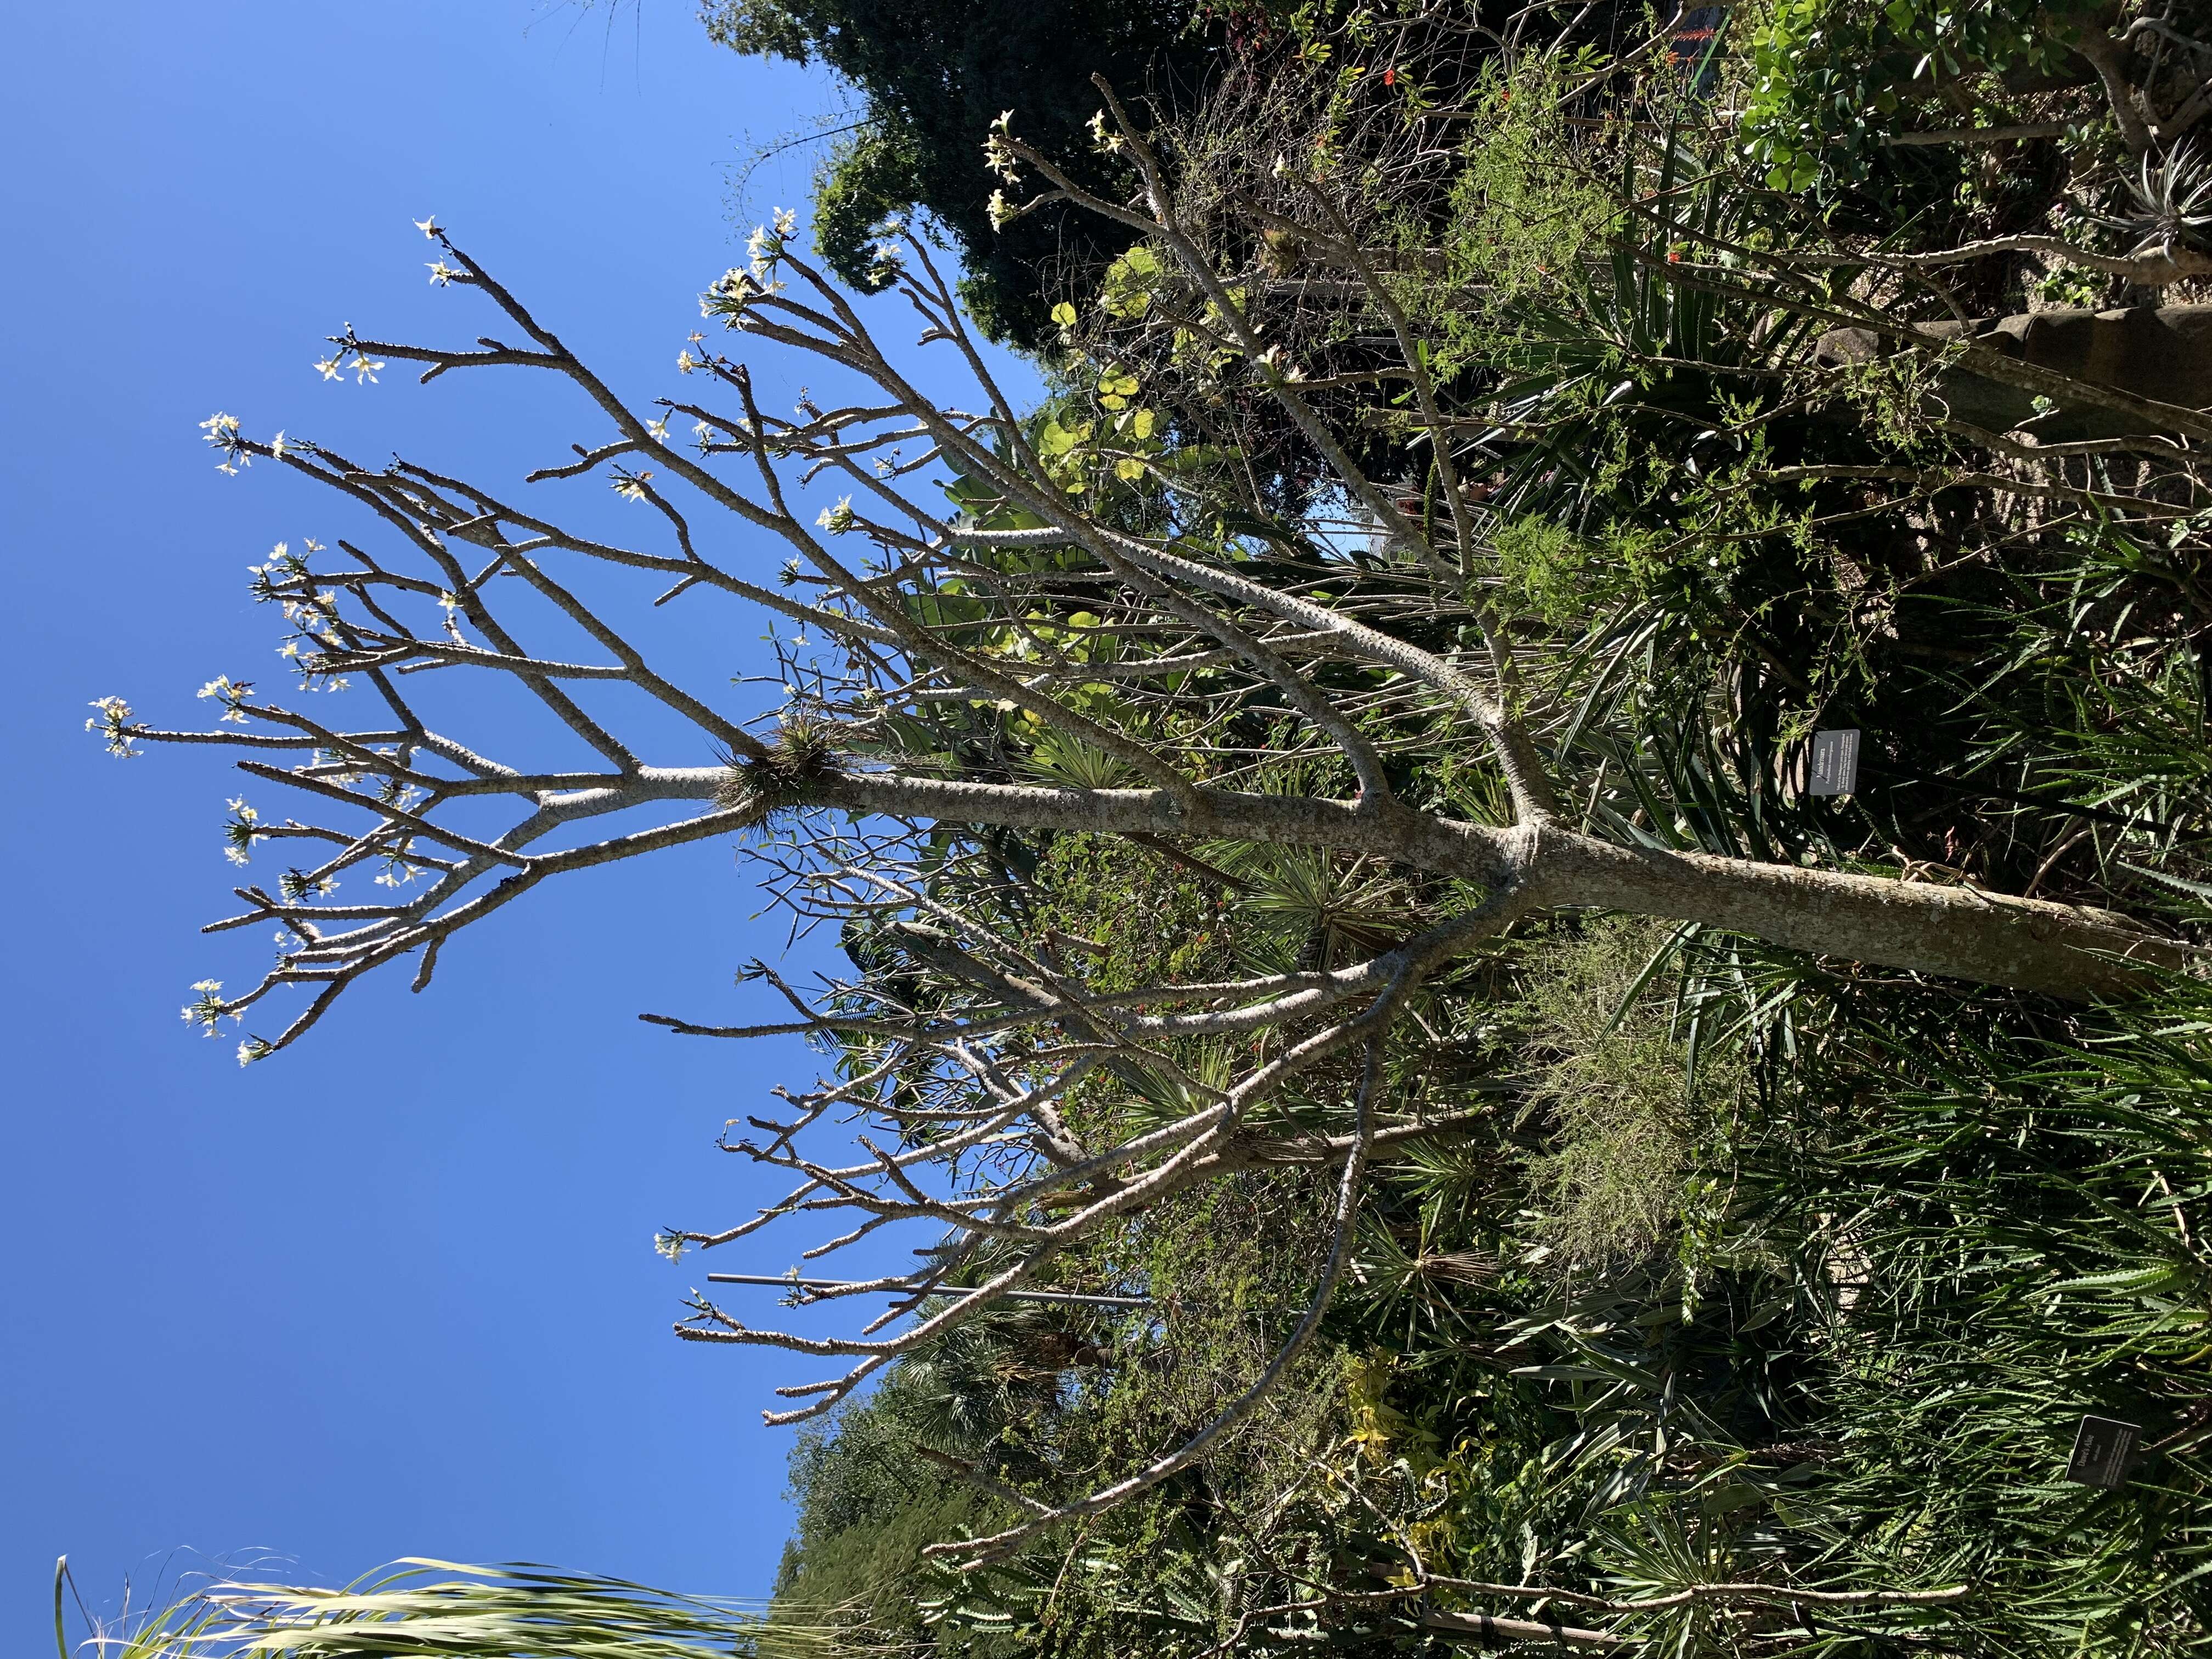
x=1960, y=932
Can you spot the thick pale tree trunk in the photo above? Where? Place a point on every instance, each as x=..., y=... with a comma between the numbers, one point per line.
x=1960, y=932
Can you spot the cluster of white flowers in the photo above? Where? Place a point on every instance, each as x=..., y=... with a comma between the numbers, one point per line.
x=887, y=258
x=207, y=1008
x=233, y=695
x=114, y=722
x=238, y=833
x=764, y=247
x=362, y=367
x=999, y=152
x=839, y=518
x=222, y=431
x=733, y=292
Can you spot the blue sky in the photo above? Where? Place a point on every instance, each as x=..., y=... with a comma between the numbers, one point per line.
x=323, y=1307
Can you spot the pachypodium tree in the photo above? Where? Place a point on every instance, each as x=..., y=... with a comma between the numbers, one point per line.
x=1101, y=600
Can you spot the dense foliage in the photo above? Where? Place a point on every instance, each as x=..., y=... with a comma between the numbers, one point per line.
x=1752, y=1272
x=932, y=75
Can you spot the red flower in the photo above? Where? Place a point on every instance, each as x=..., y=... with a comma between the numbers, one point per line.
x=1390, y=77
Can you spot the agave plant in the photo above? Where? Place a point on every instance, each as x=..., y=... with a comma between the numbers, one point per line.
x=2172, y=196
x=421, y=1608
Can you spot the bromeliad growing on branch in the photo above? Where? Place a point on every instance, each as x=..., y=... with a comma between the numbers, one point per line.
x=1109, y=639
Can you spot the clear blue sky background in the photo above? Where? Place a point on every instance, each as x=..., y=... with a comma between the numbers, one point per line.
x=323, y=1307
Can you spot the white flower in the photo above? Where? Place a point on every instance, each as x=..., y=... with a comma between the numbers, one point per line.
x=659, y=429
x=429, y=227
x=222, y=431
x=837, y=520
x=363, y=369
x=113, y=721
x=207, y=1006
x=441, y=274
x=277, y=449
x=328, y=367
x=786, y=222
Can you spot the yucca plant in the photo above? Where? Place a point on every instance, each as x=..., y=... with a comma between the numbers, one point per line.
x=429, y=1609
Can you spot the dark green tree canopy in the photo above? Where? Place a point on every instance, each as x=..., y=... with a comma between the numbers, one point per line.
x=935, y=73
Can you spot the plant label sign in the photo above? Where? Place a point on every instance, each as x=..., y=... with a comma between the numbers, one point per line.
x=1835, y=763
x=2104, y=1447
